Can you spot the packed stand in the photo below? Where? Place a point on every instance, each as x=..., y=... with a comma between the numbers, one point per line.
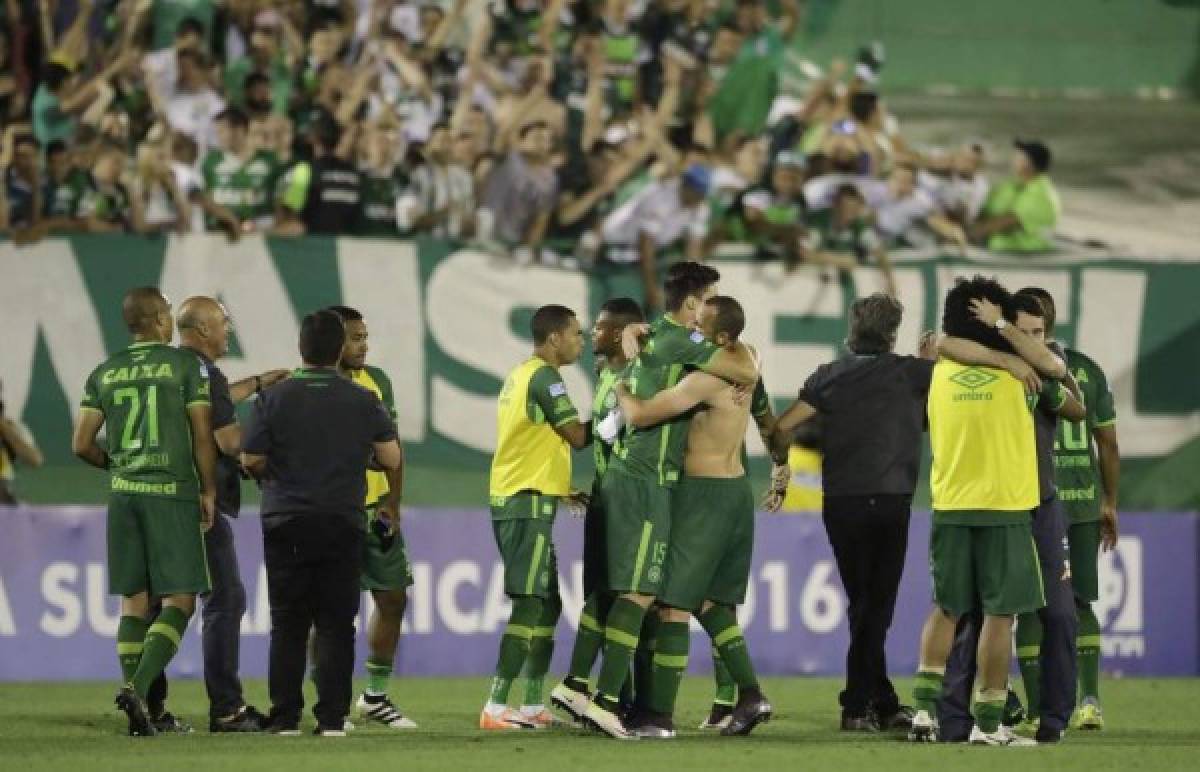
x=569, y=132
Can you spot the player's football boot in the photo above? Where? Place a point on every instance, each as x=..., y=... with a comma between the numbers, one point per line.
x=718, y=717
x=654, y=726
x=248, y=719
x=603, y=720
x=1088, y=716
x=539, y=716
x=1028, y=727
x=506, y=721
x=134, y=706
x=751, y=710
x=924, y=728
x=1002, y=736
x=381, y=710
x=572, y=702
x=167, y=723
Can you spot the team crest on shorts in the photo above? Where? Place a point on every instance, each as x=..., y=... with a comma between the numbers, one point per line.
x=654, y=574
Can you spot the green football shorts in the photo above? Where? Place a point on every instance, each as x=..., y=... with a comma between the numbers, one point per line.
x=384, y=567
x=637, y=524
x=526, y=543
x=712, y=541
x=993, y=565
x=155, y=545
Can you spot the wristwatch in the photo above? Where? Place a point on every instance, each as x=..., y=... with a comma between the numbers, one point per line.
x=1001, y=323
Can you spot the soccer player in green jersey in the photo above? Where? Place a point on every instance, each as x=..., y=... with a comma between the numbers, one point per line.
x=645, y=465
x=707, y=569
x=1087, y=464
x=161, y=457
x=239, y=176
x=386, y=572
x=537, y=426
x=573, y=694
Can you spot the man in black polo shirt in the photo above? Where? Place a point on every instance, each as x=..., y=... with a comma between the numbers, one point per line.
x=204, y=328
x=309, y=442
x=872, y=403
x=322, y=196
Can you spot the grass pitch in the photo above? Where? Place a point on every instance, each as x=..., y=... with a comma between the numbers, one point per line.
x=1152, y=725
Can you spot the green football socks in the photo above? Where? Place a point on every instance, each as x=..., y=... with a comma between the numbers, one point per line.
x=379, y=673
x=514, y=647
x=1029, y=660
x=620, y=639
x=541, y=649
x=131, y=637
x=927, y=689
x=643, y=660
x=588, y=639
x=162, y=641
x=989, y=709
x=1088, y=645
x=721, y=625
x=669, y=664
x=726, y=691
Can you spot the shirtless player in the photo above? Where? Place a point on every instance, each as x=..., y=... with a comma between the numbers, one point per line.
x=707, y=565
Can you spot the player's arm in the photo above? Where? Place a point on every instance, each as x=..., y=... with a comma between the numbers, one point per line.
x=737, y=366
x=1046, y=362
x=693, y=390
x=1060, y=401
x=241, y=391
x=547, y=390
x=83, y=443
x=24, y=448
x=1109, y=455
x=785, y=426
x=968, y=352
x=204, y=455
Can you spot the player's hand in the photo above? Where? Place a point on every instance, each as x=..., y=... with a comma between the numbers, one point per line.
x=985, y=311
x=208, y=510
x=781, y=477
x=272, y=377
x=927, y=345
x=577, y=503
x=389, y=512
x=1024, y=372
x=631, y=339
x=1109, y=530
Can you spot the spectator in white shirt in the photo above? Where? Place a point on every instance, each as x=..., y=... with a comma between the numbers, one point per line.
x=958, y=185
x=440, y=199
x=191, y=107
x=906, y=207
x=662, y=215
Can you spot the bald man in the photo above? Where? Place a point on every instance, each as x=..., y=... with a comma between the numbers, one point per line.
x=204, y=328
x=161, y=459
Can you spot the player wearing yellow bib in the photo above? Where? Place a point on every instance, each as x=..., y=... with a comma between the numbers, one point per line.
x=386, y=571
x=984, y=483
x=536, y=428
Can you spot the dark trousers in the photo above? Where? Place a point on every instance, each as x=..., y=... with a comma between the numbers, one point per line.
x=869, y=535
x=224, y=607
x=1059, y=625
x=313, y=565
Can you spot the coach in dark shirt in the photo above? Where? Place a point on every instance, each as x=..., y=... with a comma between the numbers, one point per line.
x=872, y=404
x=309, y=442
x=204, y=328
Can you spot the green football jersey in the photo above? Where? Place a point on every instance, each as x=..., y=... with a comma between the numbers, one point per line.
x=144, y=392
x=657, y=452
x=1077, y=468
x=603, y=403
x=246, y=189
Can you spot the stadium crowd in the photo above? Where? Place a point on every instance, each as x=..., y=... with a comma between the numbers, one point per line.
x=565, y=132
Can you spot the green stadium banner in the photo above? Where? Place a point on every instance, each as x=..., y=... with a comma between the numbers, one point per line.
x=447, y=324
